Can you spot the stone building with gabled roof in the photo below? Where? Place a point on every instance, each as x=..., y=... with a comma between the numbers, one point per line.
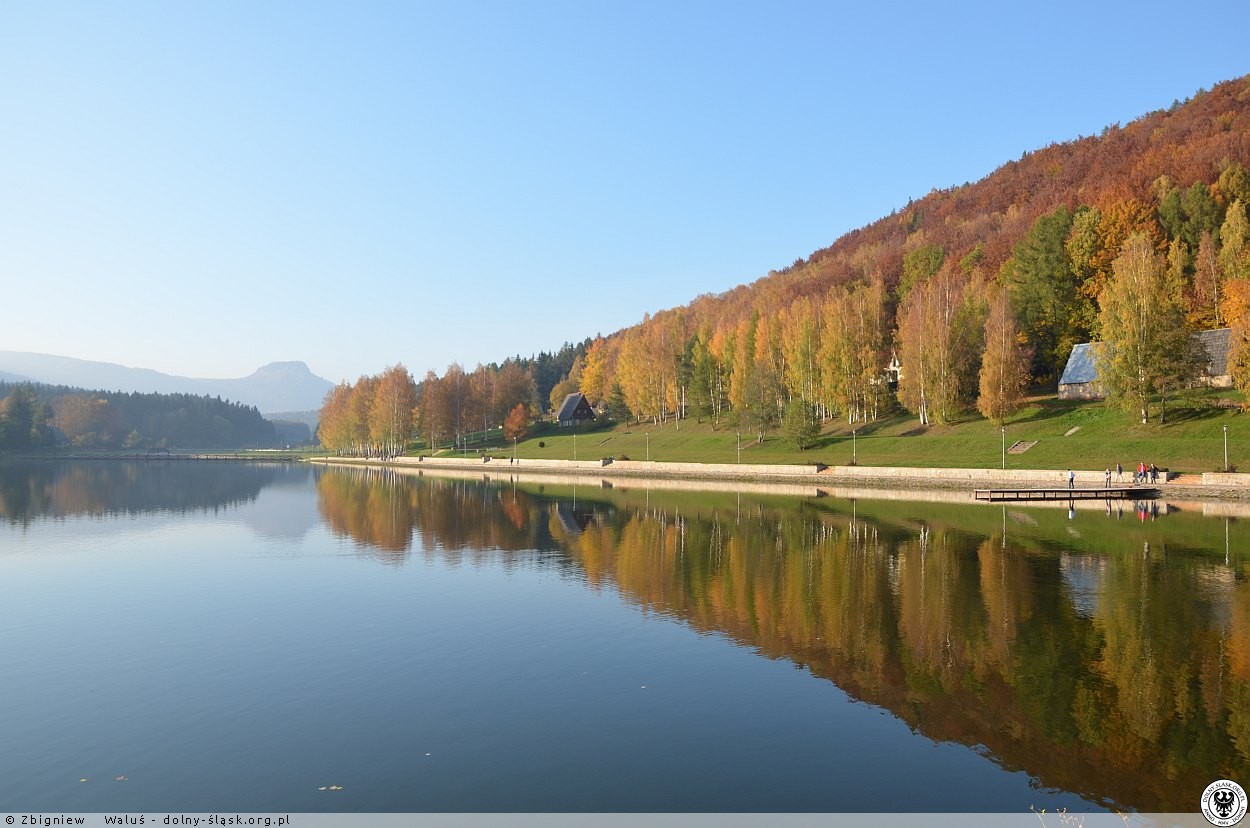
x=1080, y=376
x=575, y=410
x=1215, y=344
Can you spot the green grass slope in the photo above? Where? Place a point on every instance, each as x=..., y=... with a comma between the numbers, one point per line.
x=1192, y=440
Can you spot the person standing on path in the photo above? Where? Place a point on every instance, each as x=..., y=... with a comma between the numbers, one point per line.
x=1107, y=477
x=1071, y=479
x=1119, y=472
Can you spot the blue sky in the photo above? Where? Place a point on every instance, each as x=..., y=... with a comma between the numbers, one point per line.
x=202, y=188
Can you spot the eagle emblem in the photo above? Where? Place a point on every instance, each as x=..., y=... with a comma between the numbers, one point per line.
x=1223, y=802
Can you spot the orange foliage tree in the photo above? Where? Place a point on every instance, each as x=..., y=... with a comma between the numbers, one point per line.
x=1004, y=363
x=516, y=423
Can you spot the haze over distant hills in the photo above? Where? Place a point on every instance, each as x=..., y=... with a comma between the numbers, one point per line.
x=278, y=386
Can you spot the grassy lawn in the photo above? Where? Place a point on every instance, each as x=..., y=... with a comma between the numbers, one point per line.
x=1191, y=441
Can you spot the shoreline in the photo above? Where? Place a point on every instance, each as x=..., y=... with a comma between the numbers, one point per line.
x=1208, y=486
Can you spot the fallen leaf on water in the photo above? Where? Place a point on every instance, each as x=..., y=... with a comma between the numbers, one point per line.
x=119, y=778
x=82, y=780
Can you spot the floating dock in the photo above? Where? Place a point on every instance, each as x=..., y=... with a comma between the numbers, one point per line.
x=1064, y=493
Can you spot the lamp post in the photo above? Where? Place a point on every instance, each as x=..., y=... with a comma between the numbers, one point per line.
x=574, y=446
x=854, y=450
x=648, y=446
x=1004, y=430
x=739, y=448
x=513, y=449
x=1225, y=448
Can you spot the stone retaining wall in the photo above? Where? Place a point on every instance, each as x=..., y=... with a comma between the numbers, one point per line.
x=735, y=470
x=1225, y=479
x=622, y=482
x=608, y=466
x=495, y=464
x=984, y=477
x=898, y=477
x=818, y=474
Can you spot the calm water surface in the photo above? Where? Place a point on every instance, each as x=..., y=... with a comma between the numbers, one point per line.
x=238, y=637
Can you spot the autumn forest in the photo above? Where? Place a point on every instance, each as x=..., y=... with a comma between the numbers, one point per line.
x=1133, y=238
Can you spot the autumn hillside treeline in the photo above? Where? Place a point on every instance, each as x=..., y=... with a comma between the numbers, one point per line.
x=376, y=416
x=366, y=417
x=1045, y=231
x=977, y=290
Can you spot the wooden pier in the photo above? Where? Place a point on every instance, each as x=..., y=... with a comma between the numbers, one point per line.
x=1064, y=493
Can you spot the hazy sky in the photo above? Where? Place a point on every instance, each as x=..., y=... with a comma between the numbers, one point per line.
x=202, y=188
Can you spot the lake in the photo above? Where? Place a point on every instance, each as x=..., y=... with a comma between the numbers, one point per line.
x=195, y=636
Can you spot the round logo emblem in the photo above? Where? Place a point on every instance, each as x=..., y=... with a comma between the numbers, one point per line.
x=1224, y=803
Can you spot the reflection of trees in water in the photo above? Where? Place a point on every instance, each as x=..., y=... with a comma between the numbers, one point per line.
x=37, y=489
x=1138, y=695
x=454, y=519
x=371, y=506
x=971, y=641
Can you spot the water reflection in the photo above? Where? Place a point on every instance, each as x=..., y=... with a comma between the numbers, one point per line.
x=33, y=490
x=1102, y=656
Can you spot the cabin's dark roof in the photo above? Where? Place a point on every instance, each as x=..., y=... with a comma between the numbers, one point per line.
x=1215, y=345
x=1080, y=367
x=573, y=521
x=568, y=408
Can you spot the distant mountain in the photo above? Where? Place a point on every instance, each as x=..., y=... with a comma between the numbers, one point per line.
x=278, y=386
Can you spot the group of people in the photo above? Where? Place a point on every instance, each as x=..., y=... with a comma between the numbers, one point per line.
x=1144, y=474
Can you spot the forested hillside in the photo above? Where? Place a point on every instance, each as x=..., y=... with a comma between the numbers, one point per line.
x=41, y=416
x=1136, y=237
x=1045, y=229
